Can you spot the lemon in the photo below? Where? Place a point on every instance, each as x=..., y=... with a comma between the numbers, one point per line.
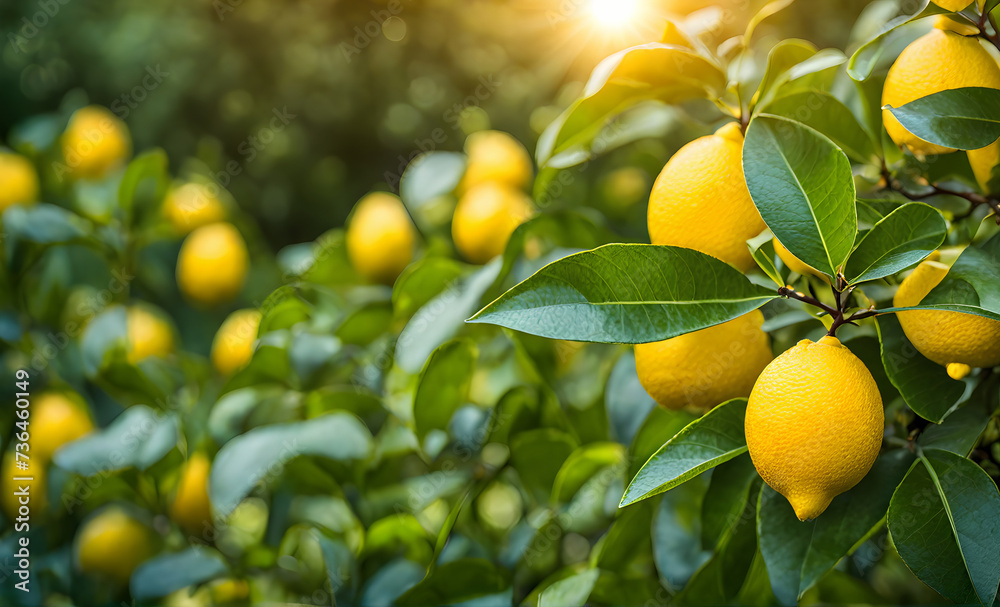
x=794, y=263
x=191, y=507
x=955, y=340
x=113, y=544
x=233, y=344
x=498, y=157
x=149, y=334
x=56, y=419
x=212, y=265
x=953, y=5
x=814, y=424
x=485, y=218
x=947, y=57
x=380, y=237
x=18, y=180
x=36, y=487
x=95, y=143
x=191, y=206
x=984, y=162
x=700, y=199
x=707, y=367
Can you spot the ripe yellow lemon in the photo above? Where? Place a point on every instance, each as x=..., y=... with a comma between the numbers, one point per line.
x=794, y=263
x=10, y=499
x=149, y=334
x=700, y=200
x=95, y=143
x=984, y=163
x=496, y=156
x=953, y=5
x=191, y=507
x=56, y=419
x=212, y=265
x=485, y=218
x=380, y=237
x=18, y=180
x=191, y=206
x=113, y=544
x=952, y=339
x=947, y=57
x=233, y=344
x=707, y=367
x=814, y=424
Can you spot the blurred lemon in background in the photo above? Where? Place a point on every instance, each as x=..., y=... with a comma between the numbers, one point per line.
x=485, y=218
x=56, y=419
x=498, y=157
x=191, y=508
x=984, y=163
x=232, y=347
x=212, y=264
x=95, y=143
x=18, y=180
x=149, y=333
x=36, y=487
x=113, y=543
x=191, y=206
x=380, y=237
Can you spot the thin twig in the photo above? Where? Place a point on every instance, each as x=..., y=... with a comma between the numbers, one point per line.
x=791, y=293
x=936, y=190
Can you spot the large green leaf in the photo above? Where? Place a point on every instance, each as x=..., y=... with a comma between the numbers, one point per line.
x=964, y=118
x=538, y=455
x=899, y=240
x=570, y=592
x=139, y=438
x=960, y=431
x=864, y=60
x=945, y=523
x=798, y=554
x=444, y=385
x=456, y=581
x=626, y=294
x=165, y=574
x=802, y=184
x=825, y=113
x=677, y=550
x=708, y=441
x=728, y=492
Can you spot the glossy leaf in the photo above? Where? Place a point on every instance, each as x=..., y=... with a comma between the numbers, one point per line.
x=165, y=574
x=43, y=223
x=829, y=116
x=429, y=176
x=538, y=455
x=961, y=430
x=585, y=462
x=677, y=550
x=626, y=294
x=762, y=251
x=728, y=491
x=780, y=59
x=443, y=386
x=660, y=425
x=901, y=239
x=802, y=184
x=964, y=118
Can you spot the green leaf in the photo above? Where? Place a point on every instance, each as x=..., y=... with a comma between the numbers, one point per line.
x=924, y=385
x=456, y=581
x=251, y=457
x=138, y=438
x=421, y=281
x=964, y=118
x=863, y=61
x=802, y=184
x=762, y=251
x=43, y=223
x=902, y=238
x=661, y=424
x=960, y=431
x=430, y=176
x=799, y=554
x=168, y=573
x=825, y=113
x=624, y=293
x=627, y=540
x=537, y=455
x=945, y=523
x=570, y=592
x=677, y=550
x=715, y=438
x=148, y=166
x=625, y=400
x=585, y=462
x=728, y=492
x=780, y=59
x=443, y=386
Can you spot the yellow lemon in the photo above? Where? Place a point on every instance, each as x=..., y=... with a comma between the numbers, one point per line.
x=952, y=339
x=191, y=507
x=794, y=263
x=953, y=5
x=700, y=200
x=191, y=206
x=380, y=237
x=945, y=58
x=212, y=265
x=485, y=218
x=984, y=163
x=11, y=500
x=56, y=419
x=149, y=334
x=233, y=344
x=95, y=143
x=18, y=180
x=496, y=156
x=707, y=367
x=814, y=424
x=113, y=544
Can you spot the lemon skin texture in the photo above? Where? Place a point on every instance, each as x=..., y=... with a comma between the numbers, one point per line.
x=232, y=347
x=984, y=162
x=148, y=334
x=705, y=368
x=380, y=237
x=191, y=206
x=700, y=200
x=814, y=424
x=112, y=544
x=191, y=508
x=95, y=143
x=212, y=265
x=952, y=339
x=56, y=419
x=37, y=486
x=18, y=181
x=484, y=219
x=939, y=60
x=498, y=157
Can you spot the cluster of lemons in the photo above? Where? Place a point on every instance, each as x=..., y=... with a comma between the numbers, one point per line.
x=814, y=419
x=381, y=237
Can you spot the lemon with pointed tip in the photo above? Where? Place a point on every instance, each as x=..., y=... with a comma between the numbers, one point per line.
x=380, y=237
x=11, y=500
x=191, y=508
x=707, y=367
x=954, y=340
x=485, y=217
x=232, y=347
x=950, y=56
x=57, y=418
x=498, y=157
x=985, y=164
x=148, y=332
x=112, y=544
x=213, y=263
x=814, y=424
x=18, y=180
x=700, y=200
x=95, y=143
x=191, y=206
